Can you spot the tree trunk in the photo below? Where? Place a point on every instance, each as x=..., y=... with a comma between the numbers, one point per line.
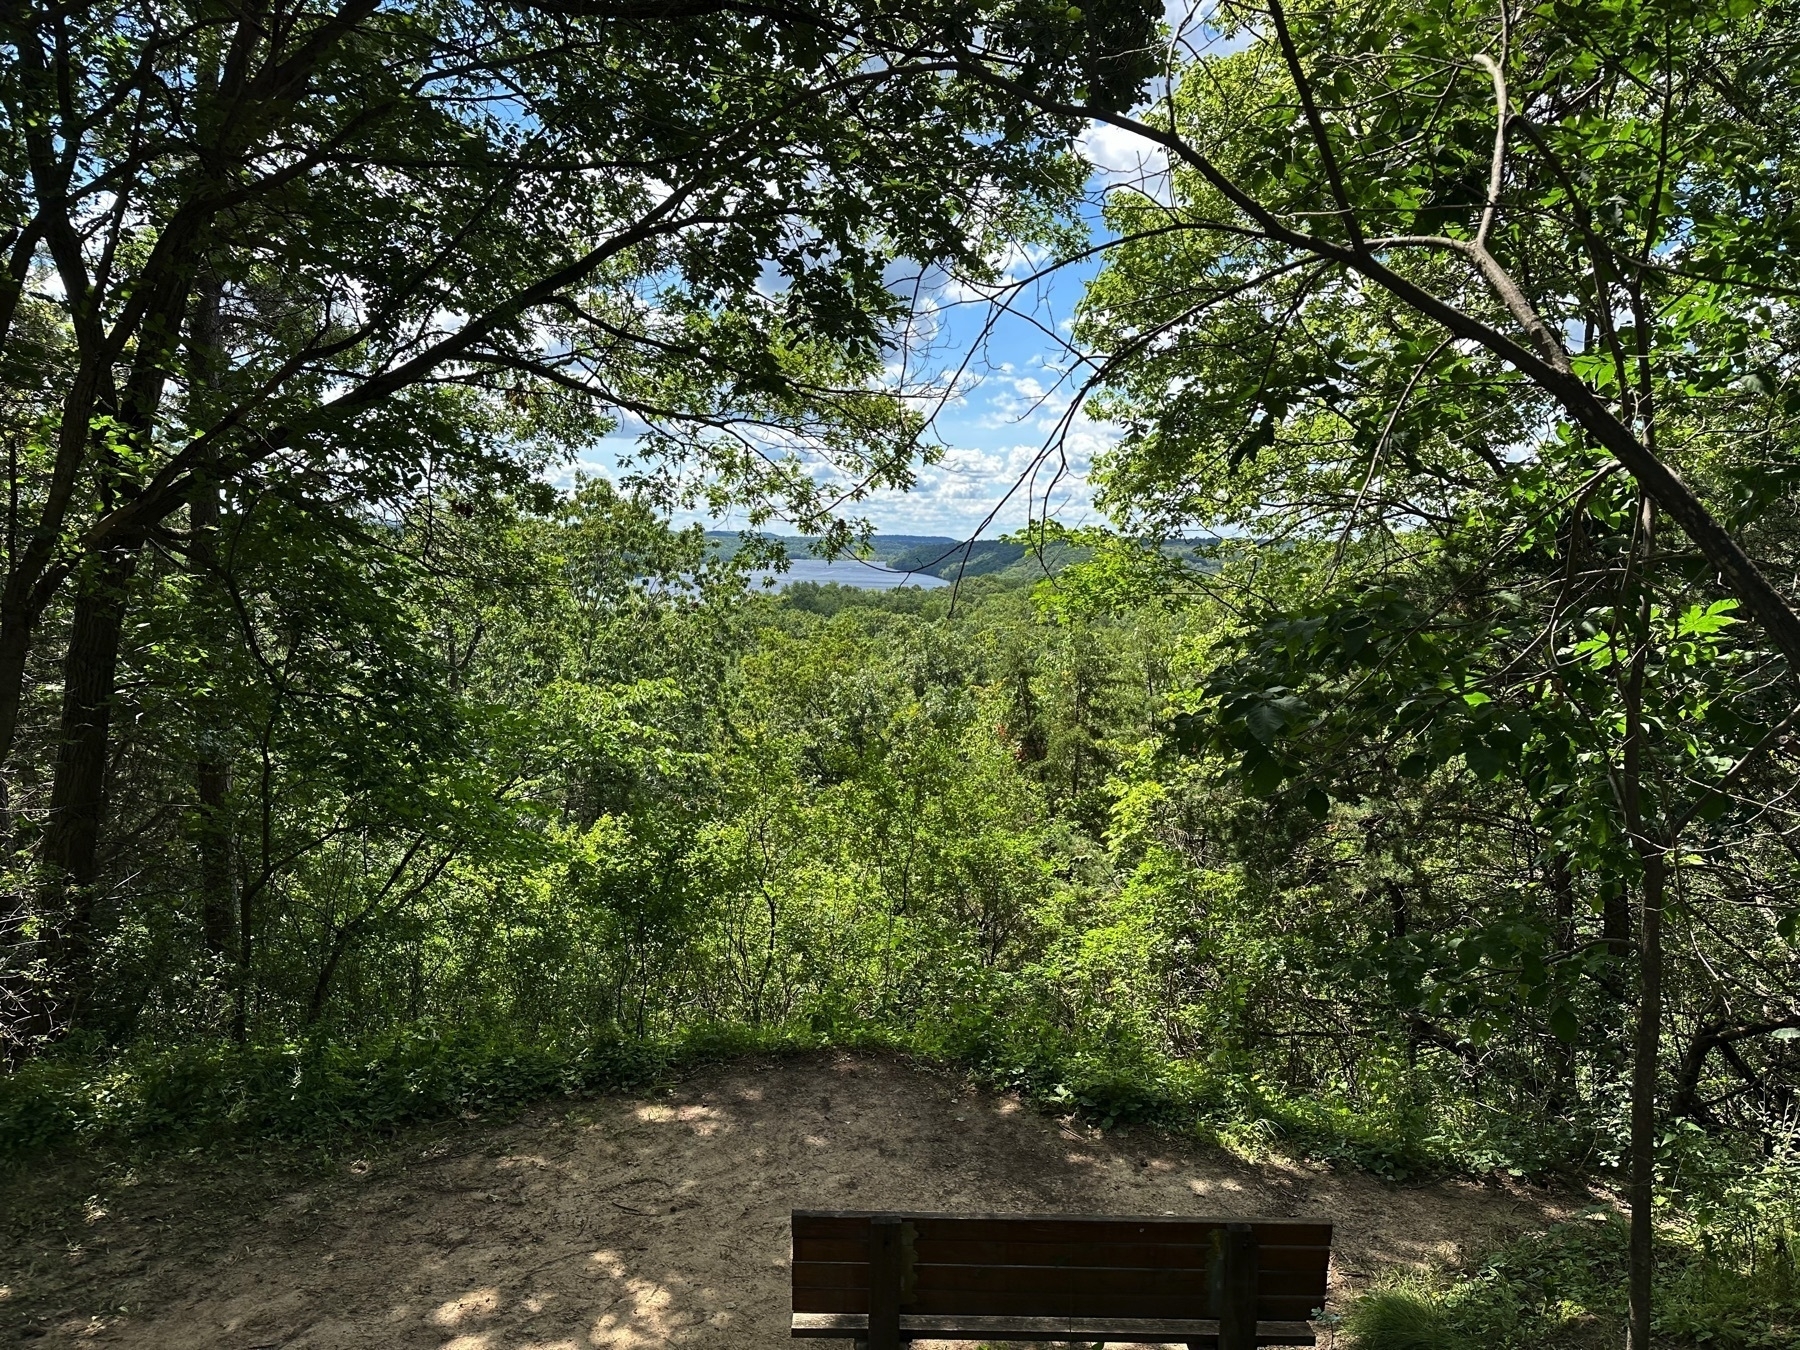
x=1399, y=920
x=213, y=842
x=240, y=1016
x=71, y=851
x=26, y=1001
x=15, y=645
x=1615, y=923
x=1643, y=1097
x=212, y=834
x=1561, y=882
x=15, y=622
x=1651, y=849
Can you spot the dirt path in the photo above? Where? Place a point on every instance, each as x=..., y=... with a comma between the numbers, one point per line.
x=631, y=1223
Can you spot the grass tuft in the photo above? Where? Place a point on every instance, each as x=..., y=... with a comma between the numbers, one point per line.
x=1392, y=1320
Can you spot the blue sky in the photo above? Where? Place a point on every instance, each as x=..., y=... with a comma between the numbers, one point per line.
x=1016, y=382
x=1014, y=388
x=1021, y=389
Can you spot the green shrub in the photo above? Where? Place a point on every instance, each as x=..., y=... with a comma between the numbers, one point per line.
x=308, y=1091
x=1392, y=1320
x=1564, y=1289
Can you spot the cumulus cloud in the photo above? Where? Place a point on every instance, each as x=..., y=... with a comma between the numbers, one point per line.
x=1120, y=158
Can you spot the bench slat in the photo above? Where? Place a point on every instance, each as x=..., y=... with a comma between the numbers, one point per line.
x=1064, y=1219
x=1149, y=1279
x=1059, y=1228
x=961, y=1251
x=1012, y=1303
x=1141, y=1330
x=1049, y=1282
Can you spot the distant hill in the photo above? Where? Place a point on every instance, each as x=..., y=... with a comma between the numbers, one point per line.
x=950, y=558
x=954, y=559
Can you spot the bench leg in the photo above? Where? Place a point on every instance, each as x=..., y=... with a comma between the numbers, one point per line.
x=884, y=1283
x=1237, y=1287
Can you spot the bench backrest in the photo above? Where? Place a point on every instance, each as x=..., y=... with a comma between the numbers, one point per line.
x=1057, y=1265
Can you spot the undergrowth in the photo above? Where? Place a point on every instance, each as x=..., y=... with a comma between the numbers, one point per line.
x=1733, y=1287
x=330, y=1091
x=1726, y=1274
x=320, y=1092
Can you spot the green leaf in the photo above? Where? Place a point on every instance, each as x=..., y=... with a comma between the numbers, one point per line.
x=1697, y=622
x=1265, y=722
x=1415, y=766
x=1483, y=760
x=1265, y=775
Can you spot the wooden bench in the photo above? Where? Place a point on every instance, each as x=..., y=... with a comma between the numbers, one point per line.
x=889, y=1279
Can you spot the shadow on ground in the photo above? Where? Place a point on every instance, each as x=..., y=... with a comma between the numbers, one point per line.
x=637, y=1223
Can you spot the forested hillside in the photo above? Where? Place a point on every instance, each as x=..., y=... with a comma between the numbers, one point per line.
x=1403, y=774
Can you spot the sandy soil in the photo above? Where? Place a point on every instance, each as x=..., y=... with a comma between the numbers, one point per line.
x=627, y=1223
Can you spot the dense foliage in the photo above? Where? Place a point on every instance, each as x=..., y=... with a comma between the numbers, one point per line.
x=1437, y=816
x=959, y=824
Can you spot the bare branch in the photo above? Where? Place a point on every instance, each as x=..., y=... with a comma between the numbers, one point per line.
x=1497, y=169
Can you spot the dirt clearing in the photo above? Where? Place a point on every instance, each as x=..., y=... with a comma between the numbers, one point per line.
x=626, y=1223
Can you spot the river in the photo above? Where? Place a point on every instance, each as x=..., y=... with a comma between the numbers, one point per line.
x=867, y=576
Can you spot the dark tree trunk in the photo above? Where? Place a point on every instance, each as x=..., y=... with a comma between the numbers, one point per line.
x=25, y=1006
x=16, y=620
x=1399, y=920
x=213, y=842
x=1615, y=923
x=1643, y=1096
x=1562, y=891
x=212, y=834
x=71, y=850
x=31, y=547
x=1645, y=825
x=240, y=1016
x=15, y=645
